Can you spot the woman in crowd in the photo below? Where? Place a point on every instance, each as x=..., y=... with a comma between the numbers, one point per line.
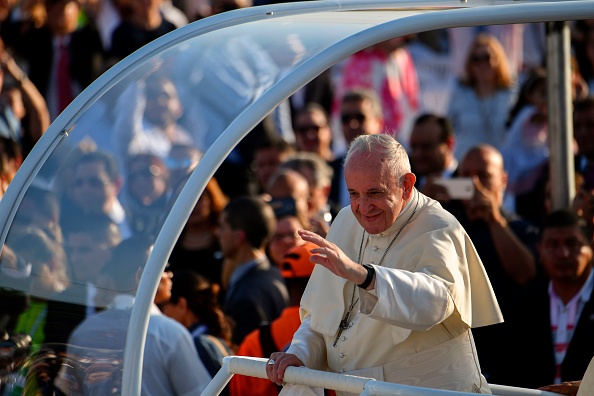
x=197, y=248
x=194, y=304
x=480, y=103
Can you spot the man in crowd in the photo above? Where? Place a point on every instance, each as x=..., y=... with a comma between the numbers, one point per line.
x=95, y=188
x=312, y=131
x=256, y=291
x=276, y=336
x=319, y=177
x=396, y=267
x=89, y=242
x=287, y=187
x=361, y=114
x=552, y=320
x=432, y=143
x=505, y=242
x=171, y=365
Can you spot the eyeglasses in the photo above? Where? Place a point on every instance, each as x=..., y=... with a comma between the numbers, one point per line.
x=347, y=118
x=84, y=250
x=178, y=163
x=146, y=173
x=93, y=182
x=424, y=146
x=307, y=128
x=572, y=245
x=480, y=58
x=289, y=236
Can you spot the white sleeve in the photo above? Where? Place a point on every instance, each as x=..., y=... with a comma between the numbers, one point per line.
x=412, y=300
x=309, y=346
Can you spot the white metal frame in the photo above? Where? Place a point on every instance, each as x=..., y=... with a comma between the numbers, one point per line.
x=256, y=367
x=500, y=14
x=433, y=15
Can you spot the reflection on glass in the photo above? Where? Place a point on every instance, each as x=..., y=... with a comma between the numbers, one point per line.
x=113, y=179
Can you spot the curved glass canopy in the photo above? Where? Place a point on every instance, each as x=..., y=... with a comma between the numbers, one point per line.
x=228, y=71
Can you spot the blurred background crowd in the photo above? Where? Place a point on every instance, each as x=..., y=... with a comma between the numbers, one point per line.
x=465, y=102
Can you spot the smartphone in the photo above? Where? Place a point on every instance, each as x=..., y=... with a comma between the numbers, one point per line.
x=458, y=187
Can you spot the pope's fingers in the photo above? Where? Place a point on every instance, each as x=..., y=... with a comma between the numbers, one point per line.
x=312, y=237
x=321, y=251
x=276, y=371
x=270, y=364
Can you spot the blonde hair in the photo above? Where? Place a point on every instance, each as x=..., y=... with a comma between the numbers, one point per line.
x=503, y=77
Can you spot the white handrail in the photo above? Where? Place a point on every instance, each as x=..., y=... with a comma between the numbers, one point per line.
x=256, y=367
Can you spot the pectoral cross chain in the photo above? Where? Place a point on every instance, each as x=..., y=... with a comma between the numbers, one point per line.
x=344, y=324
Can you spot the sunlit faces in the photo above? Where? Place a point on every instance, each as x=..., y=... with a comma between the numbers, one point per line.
x=487, y=164
x=93, y=190
x=428, y=154
x=375, y=194
x=163, y=107
x=266, y=162
x=482, y=63
x=202, y=210
x=312, y=133
x=285, y=237
x=163, y=294
x=227, y=236
x=87, y=255
x=565, y=254
x=358, y=118
x=148, y=180
x=63, y=16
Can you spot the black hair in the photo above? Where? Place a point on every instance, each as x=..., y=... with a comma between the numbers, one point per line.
x=445, y=125
x=202, y=299
x=254, y=216
x=565, y=218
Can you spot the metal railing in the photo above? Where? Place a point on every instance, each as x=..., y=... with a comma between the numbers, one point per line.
x=256, y=367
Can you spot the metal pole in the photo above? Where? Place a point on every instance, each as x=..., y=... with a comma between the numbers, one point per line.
x=560, y=125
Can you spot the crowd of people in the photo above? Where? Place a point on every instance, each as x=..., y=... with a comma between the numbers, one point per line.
x=460, y=103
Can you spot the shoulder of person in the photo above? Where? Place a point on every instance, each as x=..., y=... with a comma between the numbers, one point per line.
x=520, y=226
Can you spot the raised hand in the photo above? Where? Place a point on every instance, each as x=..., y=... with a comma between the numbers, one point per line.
x=330, y=256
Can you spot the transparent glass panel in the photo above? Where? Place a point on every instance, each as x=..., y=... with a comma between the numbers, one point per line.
x=82, y=233
x=114, y=177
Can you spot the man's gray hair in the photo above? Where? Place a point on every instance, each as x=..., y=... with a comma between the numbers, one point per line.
x=384, y=146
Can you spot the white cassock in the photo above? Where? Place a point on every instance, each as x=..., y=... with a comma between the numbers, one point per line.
x=587, y=385
x=413, y=328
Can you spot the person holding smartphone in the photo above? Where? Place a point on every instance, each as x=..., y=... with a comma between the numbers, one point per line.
x=505, y=242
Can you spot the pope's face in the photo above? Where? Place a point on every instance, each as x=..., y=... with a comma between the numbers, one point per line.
x=376, y=197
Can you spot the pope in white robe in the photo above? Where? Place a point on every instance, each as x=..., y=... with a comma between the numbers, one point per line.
x=411, y=324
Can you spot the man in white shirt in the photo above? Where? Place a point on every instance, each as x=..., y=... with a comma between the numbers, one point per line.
x=552, y=320
x=94, y=358
x=431, y=149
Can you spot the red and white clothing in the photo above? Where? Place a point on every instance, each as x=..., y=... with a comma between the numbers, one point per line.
x=564, y=318
x=392, y=75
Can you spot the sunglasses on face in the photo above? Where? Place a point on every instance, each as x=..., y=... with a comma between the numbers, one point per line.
x=93, y=182
x=347, y=118
x=480, y=58
x=178, y=163
x=307, y=128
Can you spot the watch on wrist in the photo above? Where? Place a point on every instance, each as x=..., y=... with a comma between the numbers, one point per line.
x=369, y=278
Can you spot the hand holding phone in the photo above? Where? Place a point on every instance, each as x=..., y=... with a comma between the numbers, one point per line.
x=457, y=187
